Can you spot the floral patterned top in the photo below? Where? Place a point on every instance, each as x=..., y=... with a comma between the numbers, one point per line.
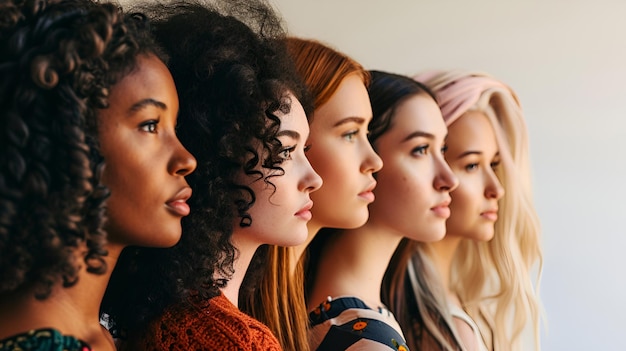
x=348, y=324
x=43, y=340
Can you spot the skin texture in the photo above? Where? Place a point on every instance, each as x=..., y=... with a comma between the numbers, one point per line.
x=343, y=157
x=412, y=200
x=145, y=169
x=414, y=185
x=473, y=156
x=280, y=214
x=145, y=163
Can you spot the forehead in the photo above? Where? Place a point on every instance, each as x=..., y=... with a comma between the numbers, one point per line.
x=350, y=100
x=472, y=130
x=149, y=80
x=418, y=113
x=296, y=118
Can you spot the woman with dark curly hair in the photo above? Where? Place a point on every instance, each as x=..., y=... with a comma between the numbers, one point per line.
x=343, y=156
x=89, y=164
x=241, y=117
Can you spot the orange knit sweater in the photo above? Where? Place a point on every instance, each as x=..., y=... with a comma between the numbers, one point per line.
x=215, y=324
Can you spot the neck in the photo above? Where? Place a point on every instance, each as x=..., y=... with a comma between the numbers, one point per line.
x=246, y=250
x=313, y=228
x=72, y=311
x=442, y=255
x=354, y=263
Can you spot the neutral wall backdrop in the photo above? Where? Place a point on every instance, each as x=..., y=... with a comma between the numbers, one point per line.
x=567, y=61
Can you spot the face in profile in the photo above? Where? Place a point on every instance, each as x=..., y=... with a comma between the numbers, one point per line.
x=413, y=192
x=473, y=155
x=145, y=163
x=281, y=211
x=342, y=155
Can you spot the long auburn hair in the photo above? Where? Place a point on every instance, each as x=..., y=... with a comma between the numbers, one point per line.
x=493, y=279
x=279, y=300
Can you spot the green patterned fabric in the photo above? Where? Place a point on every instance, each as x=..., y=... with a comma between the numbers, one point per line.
x=43, y=340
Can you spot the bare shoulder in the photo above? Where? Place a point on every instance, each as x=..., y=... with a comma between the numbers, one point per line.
x=466, y=334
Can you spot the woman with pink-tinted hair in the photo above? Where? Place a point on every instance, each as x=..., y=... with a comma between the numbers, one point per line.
x=474, y=290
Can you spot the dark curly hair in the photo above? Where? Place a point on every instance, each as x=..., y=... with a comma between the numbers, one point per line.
x=58, y=60
x=233, y=74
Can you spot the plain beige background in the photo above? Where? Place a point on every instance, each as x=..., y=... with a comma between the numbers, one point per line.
x=567, y=61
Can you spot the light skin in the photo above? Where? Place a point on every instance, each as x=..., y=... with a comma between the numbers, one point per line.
x=342, y=155
x=473, y=155
x=145, y=166
x=414, y=184
x=281, y=212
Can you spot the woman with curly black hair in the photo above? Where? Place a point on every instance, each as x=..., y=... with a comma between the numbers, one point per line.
x=89, y=163
x=242, y=118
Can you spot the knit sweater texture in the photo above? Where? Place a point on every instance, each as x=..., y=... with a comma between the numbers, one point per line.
x=214, y=324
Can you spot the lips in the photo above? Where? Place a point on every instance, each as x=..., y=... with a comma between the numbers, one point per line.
x=490, y=215
x=442, y=209
x=305, y=212
x=178, y=204
x=368, y=193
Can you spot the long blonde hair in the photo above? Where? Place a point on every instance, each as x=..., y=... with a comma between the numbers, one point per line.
x=279, y=300
x=492, y=279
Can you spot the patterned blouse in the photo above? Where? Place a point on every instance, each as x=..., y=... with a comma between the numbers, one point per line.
x=43, y=340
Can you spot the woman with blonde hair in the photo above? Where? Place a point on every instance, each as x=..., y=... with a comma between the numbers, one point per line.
x=342, y=155
x=473, y=290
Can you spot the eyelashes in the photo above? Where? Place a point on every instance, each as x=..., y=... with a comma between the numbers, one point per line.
x=285, y=153
x=420, y=150
x=149, y=126
x=350, y=135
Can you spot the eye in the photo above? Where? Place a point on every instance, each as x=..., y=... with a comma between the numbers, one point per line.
x=149, y=126
x=494, y=165
x=471, y=167
x=420, y=150
x=307, y=148
x=444, y=149
x=351, y=135
x=285, y=154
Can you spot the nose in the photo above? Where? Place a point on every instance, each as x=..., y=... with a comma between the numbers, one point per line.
x=445, y=179
x=372, y=163
x=310, y=181
x=493, y=188
x=182, y=162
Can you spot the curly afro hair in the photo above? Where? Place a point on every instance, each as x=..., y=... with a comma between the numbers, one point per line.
x=233, y=73
x=58, y=60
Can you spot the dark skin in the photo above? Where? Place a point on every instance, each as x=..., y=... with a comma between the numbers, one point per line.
x=145, y=166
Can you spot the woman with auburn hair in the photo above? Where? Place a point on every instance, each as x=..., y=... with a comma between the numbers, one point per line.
x=341, y=154
x=241, y=116
x=89, y=164
x=474, y=289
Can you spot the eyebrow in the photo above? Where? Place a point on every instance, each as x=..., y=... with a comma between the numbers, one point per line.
x=418, y=134
x=471, y=152
x=290, y=133
x=359, y=120
x=145, y=103
x=468, y=153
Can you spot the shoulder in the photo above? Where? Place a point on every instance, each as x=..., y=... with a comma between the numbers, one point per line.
x=467, y=330
x=43, y=340
x=215, y=324
x=348, y=324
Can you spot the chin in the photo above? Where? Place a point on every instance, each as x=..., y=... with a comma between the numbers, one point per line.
x=358, y=221
x=429, y=236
